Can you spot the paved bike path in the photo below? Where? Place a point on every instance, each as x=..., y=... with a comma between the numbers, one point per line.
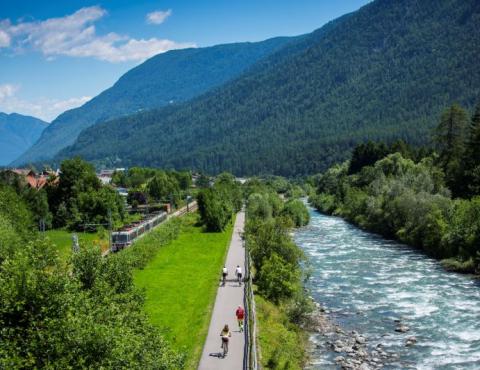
x=228, y=299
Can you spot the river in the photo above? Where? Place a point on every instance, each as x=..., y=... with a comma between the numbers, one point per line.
x=368, y=282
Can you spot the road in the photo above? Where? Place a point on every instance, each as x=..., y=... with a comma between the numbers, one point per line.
x=228, y=299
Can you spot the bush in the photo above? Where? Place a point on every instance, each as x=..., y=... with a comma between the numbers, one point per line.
x=146, y=248
x=87, y=318
x=456, y=265
x=325, y=203
x=276, y=279
x=296, y=210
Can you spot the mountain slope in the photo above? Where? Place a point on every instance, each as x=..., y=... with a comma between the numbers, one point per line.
x=164, y=79
x=17, y=134
x=383, y=72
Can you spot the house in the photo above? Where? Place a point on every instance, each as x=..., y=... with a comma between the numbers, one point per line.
x=105, y=176
x=35, y=180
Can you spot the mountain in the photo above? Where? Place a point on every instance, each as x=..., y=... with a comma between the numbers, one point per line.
x=384, y=72
x=164, y=79
x=17, y=134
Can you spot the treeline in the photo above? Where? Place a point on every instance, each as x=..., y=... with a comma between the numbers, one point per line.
x=77, y=200
x=426, y=198
x=278, y=275
x=218, y=203
x=151, y=185
x=86, y=314
x=74, y=199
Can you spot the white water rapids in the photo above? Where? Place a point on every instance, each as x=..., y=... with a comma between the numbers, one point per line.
x=368, y=282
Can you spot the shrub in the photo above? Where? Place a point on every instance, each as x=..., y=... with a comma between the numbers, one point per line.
x=276, y=279
x=296, y=210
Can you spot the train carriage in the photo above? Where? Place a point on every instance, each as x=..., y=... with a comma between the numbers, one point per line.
x=123, y=238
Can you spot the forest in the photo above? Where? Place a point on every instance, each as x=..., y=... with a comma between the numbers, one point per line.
x=165, y=79
x=382, y=73
x=427, y=198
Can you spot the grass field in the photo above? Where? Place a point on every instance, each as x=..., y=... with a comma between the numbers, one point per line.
x=181, y=284
x=63, y=240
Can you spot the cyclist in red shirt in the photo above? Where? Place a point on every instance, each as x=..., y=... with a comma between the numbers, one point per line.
x=240, y=313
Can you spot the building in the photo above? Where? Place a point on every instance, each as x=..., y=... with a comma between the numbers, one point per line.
x=36, y=180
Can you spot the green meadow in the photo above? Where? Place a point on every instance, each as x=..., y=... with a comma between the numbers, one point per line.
x=181, y=283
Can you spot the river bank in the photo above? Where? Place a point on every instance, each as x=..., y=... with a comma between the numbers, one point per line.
x=349, y=349
x=395, y=297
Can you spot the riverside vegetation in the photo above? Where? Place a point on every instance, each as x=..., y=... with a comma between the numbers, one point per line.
x=281, y=301
x=282, y=304
x=425, y=198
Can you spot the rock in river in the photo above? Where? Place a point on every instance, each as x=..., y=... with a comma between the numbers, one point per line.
x=402, y=329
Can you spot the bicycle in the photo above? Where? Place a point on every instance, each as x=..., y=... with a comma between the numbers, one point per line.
x=224, y=276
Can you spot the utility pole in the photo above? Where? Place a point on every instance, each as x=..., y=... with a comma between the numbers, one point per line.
x=42, y=225
x=75, y=245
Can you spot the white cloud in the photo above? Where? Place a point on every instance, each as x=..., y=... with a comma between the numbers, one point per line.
x=7, y=91
x=44, y=108
x=4, y=39
x=75, y=35
x=159, y=16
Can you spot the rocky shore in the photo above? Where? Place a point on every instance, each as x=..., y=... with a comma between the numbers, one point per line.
x=350, y=349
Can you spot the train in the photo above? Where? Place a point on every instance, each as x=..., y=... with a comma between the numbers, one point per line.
x=125, y=236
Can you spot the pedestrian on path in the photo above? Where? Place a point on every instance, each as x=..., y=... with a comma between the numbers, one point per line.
x=238, y=272
x=240, y=313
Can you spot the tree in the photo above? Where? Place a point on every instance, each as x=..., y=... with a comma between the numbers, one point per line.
x=15, y=210
x=277, y=280
x=203, y=181
x=366, y=155
x=297, y=212
x=472, y=154
x=450, y=138
x=215, y=209
x=162, y=187
x=184, y=179
x=80, y=197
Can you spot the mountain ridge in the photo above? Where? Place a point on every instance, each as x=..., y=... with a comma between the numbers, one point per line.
x=17, y=133
x=166, y=78
x=383, y=72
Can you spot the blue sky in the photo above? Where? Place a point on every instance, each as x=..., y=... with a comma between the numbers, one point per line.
x=55, y=55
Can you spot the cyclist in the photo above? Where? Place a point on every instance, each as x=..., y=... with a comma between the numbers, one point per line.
x=225, y=334
x=224, y=275
x=240, y=313
x=238, y=272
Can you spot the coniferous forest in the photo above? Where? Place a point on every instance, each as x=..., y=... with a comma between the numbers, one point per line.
x=382, y=73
